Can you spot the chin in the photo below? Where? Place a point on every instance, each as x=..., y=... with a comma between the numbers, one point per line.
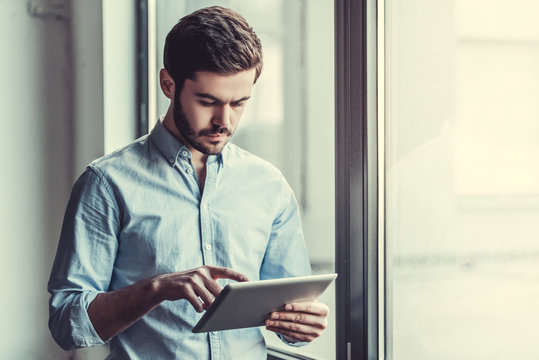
x=210, y=149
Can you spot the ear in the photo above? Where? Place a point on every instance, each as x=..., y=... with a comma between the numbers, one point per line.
x=167, y=83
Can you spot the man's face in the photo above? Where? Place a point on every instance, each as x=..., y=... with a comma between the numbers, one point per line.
x=208, y=109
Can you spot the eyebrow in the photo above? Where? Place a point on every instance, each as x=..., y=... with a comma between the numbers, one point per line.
x=216, y=99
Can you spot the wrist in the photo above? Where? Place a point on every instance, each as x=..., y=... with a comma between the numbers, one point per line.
x=290, y=339
x=156, y=289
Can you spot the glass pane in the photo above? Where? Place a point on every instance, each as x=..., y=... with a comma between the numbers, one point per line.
x=289, y=118
x=462, y=137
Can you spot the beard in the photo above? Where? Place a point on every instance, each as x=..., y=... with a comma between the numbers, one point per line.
x=193, y=138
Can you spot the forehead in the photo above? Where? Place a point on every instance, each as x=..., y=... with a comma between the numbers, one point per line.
x=224, y=87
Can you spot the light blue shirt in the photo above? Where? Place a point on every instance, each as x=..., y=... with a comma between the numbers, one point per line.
x=139, y=212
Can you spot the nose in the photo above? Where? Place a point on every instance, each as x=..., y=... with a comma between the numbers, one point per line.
x=221, y=116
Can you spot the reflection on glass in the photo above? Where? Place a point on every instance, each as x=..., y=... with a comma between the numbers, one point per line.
x=462, y=179
x=289, y=119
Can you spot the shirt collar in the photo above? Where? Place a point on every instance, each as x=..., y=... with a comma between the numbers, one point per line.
x=172, y=148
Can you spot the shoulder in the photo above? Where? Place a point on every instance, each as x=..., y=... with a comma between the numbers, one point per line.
x=123, y=159
x=241, y=160
x=256, y=176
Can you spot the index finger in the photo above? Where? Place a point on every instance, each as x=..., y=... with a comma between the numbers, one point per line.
x=310, y=307
x=217, y=272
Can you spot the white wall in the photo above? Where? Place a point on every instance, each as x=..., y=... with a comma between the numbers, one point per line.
x=53, y=110
x=35, y=96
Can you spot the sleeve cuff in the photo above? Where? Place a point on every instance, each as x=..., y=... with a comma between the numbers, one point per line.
x=84, y=334
x=290, y=343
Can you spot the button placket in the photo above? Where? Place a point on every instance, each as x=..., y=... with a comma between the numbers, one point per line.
x=207, y=241
x=207, y=253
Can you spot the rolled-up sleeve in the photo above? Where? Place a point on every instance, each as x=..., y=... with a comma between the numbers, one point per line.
x=84, y=260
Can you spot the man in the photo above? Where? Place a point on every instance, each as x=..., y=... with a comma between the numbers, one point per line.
x=149, y=229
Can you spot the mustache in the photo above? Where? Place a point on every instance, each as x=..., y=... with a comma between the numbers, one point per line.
x=216, y=130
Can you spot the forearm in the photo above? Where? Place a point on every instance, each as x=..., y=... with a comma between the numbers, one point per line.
x=113, y=312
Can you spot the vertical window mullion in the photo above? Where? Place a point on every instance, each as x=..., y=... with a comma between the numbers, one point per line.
x=356, y=179
x=142, y=67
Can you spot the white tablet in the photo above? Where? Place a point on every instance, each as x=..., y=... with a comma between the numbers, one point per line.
x=248, y=304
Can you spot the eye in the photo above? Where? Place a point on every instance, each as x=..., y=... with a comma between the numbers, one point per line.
x=206, y=103
x=238, y=104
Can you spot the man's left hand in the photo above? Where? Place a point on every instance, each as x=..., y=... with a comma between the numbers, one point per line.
x=301, y=321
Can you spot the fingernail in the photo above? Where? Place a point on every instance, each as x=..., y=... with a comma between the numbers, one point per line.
x=269, y=323
x=288, y=307
x=274, y=316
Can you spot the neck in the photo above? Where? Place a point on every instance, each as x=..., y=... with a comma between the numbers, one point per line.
x=197, y=158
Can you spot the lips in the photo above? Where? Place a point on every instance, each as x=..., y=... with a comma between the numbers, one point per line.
x=222, y=133
x=216, y=136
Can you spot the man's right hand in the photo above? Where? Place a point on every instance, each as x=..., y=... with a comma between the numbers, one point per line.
x=198, y=286
x=114, y=311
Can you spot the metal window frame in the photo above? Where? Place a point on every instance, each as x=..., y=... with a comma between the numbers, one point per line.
x=280, y=354
x=356, y=155
x=142, y=88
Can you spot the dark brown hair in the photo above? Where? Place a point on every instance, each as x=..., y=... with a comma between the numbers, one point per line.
x=212, y=39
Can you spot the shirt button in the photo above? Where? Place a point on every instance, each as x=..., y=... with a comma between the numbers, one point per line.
x=208, y=247
x=185, y=153
x=189, y=171
x=171, y=161
x=214, y=332
x=205, y=206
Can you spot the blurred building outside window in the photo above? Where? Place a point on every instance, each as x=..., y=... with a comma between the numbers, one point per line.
x=462, y=191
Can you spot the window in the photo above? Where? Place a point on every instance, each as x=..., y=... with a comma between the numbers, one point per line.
x=436, y=185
